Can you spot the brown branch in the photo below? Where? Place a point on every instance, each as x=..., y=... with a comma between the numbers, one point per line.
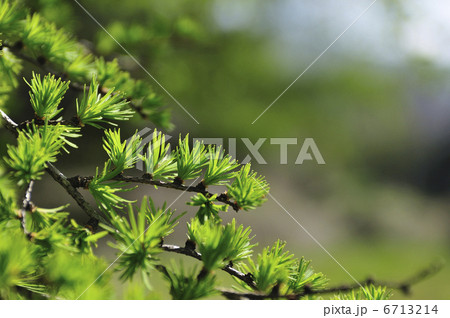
x=188, y=251
x=83, y=182
x=59, y=177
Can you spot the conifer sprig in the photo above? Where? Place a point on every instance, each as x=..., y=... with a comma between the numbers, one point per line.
x=33, y=39
x=220, y=167
x=220, y=244
x=10, y=16
x=208, y=210
x=190, y=161
x=139, y=239
x=303, y=276
x=186, y=285
x=248, y=189
x=46, y=95
x=104, y=190
x=272, y=267
x=123, y=154
x=34, y=148
x=158, y=160
x=94, y=108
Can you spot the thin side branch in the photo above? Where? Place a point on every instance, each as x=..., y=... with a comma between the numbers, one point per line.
x=9, y=123
x=83, y=182
x=27, y=206
x=247, y=278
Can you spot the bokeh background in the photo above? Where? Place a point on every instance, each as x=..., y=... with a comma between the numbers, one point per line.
x=377, y=105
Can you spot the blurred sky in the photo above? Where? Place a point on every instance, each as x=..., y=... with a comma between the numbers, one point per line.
x=424, y=28
x=389, y=33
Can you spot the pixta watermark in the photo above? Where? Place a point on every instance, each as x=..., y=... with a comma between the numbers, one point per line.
x=304, y=149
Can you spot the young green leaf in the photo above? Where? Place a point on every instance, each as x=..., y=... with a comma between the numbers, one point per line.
x=123, y=154
x=220, y=244
x=139, y=238
x=159, y=162
x=208, y=210
x=302, y=276
x=10, y=17
x=272, y=267
x=220, y=167
x=187, y=285
x=248, y=189
x=46, y=94
x=35, y=147
x=94, y=109
x=369, y=292
x=190, y=162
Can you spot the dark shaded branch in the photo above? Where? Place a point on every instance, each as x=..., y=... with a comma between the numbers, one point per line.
x=41, y=62
x=247, y=278
x=234, y=295
x=83, y=182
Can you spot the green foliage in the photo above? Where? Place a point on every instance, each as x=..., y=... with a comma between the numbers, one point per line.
x=104, y=191
x=10, y=68
x=46, y=95
x=208, y=210
x=8, y=206
x=16, y=262
x=220, y=167
x=369, y=292
x=272, y=267
x=44, y=39
x=69, y=275
x=159, y=161
x=41, y=40
x=10, y=16
x=123, y=155
x=302, y=275
x=220, y=244
x=189, y=285
x=190, y=161
x=95, y=108
x=248, y=189
x=139, y=240
x=34, y=148
x=51, y=229
x=81, y=68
